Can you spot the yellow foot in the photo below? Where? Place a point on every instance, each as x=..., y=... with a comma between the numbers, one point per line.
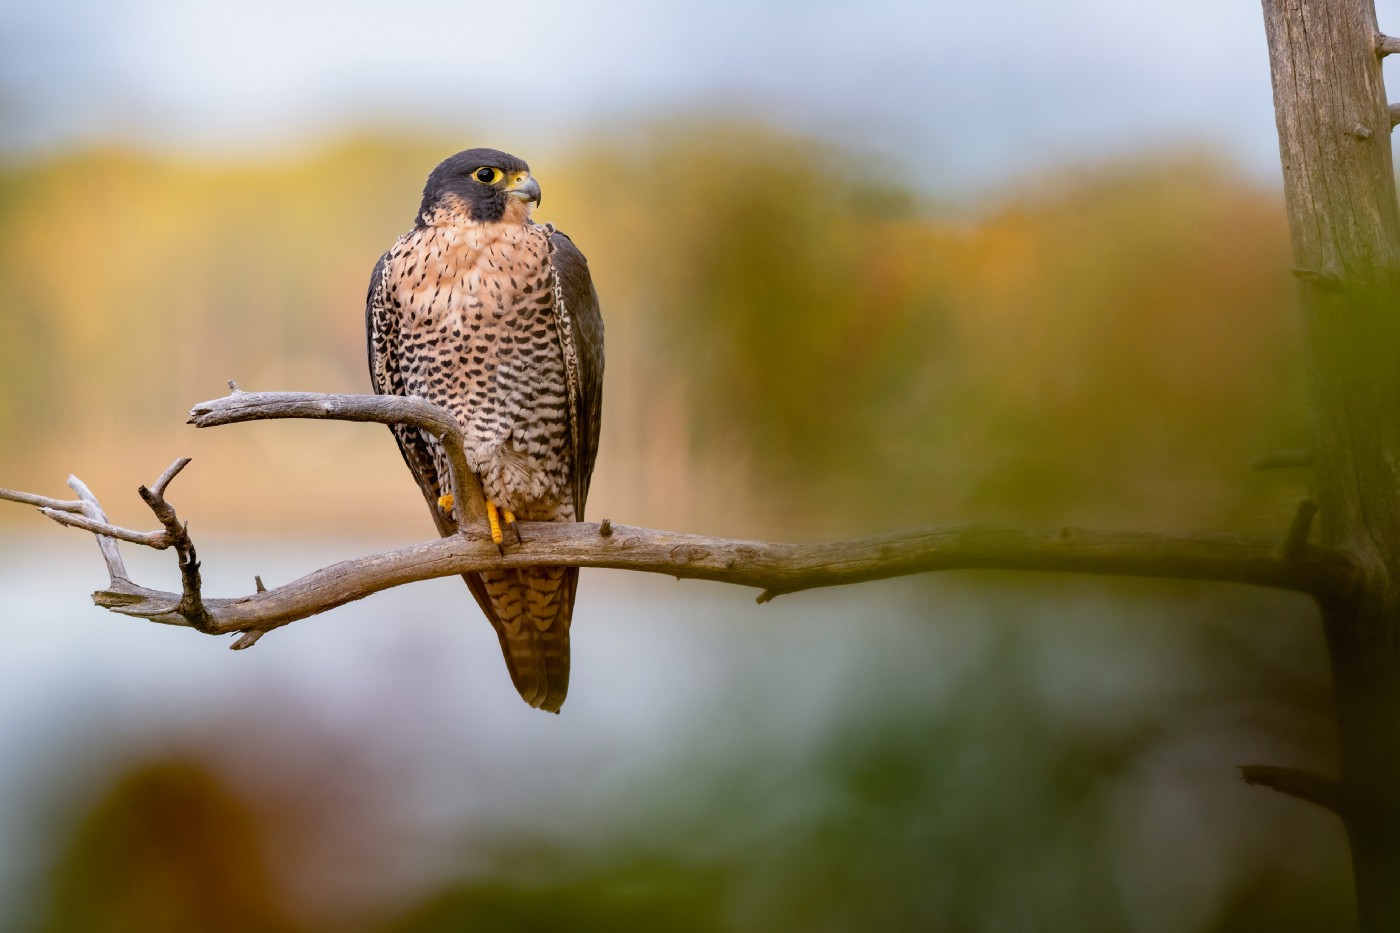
x=445, y=503
x=493, y=515
x=509, y=517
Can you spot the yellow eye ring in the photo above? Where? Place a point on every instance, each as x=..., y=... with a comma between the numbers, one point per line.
x=487, y=175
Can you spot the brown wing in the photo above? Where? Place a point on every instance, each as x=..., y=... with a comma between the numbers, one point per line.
x=387, y=379
x=586, y=328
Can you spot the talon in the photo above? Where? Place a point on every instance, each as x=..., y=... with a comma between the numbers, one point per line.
x=493, y=516
x=445, y=503
x=510, y=523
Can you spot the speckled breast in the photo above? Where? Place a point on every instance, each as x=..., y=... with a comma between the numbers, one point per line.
x=479, y=336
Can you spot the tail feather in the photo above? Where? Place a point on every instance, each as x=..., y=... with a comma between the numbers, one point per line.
x=531, y=609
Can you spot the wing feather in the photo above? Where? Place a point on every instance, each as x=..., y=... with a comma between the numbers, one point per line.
x=382, y=348
x=586, y=328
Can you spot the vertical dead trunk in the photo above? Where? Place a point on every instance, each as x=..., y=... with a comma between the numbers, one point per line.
x=1334, y=138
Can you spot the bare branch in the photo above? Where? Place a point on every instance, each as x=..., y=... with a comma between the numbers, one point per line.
x=152, y=539
x=1387, y=45
x=116, y=569
x=190, y=606
x=248, y=640
x=1314, y=788
x=87, y=514
x=43, y=502
x=242, y=406
x=775, y=568
x=171, y=472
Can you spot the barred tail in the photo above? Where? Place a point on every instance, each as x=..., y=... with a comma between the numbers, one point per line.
x=531, y=609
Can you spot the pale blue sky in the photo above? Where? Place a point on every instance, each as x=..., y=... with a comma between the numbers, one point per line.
x=966, y=93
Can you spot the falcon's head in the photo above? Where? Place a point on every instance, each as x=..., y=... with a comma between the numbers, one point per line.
x=489, y=185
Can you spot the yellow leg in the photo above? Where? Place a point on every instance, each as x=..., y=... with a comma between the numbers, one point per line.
x=509, y=517
x=445, y=503
x=493, y=516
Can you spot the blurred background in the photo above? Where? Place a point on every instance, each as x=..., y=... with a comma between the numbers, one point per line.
x=862, y=269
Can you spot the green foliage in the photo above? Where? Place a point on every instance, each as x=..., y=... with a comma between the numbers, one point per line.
x=642, y=894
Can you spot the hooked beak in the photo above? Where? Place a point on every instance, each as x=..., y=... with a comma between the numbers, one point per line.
x=527, y=190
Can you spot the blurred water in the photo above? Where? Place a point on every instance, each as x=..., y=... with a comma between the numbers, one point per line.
x=1092, y=728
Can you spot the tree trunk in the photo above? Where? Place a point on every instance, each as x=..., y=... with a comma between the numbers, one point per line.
x=1334, y=138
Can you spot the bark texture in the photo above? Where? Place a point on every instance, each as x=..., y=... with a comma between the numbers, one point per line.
x=1334, y=126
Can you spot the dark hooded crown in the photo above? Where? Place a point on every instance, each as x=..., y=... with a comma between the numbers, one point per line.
x=453, y=177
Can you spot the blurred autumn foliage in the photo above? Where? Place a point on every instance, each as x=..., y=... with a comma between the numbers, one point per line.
x=1112, y=344
x=169, y=848
x=787, y=324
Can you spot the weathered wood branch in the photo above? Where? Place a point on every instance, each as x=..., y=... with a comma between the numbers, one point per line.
x=1322, y=791
x=774, y=568
x=85, y=512
x=191, y=605
x=240, y=406
x=158, y=540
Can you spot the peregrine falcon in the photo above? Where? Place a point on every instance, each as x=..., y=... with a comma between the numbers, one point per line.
x=494, y=317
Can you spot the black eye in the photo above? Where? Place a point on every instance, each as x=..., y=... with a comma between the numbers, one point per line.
x=487, y=176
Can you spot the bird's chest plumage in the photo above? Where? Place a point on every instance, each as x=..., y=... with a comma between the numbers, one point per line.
x=477, y=334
